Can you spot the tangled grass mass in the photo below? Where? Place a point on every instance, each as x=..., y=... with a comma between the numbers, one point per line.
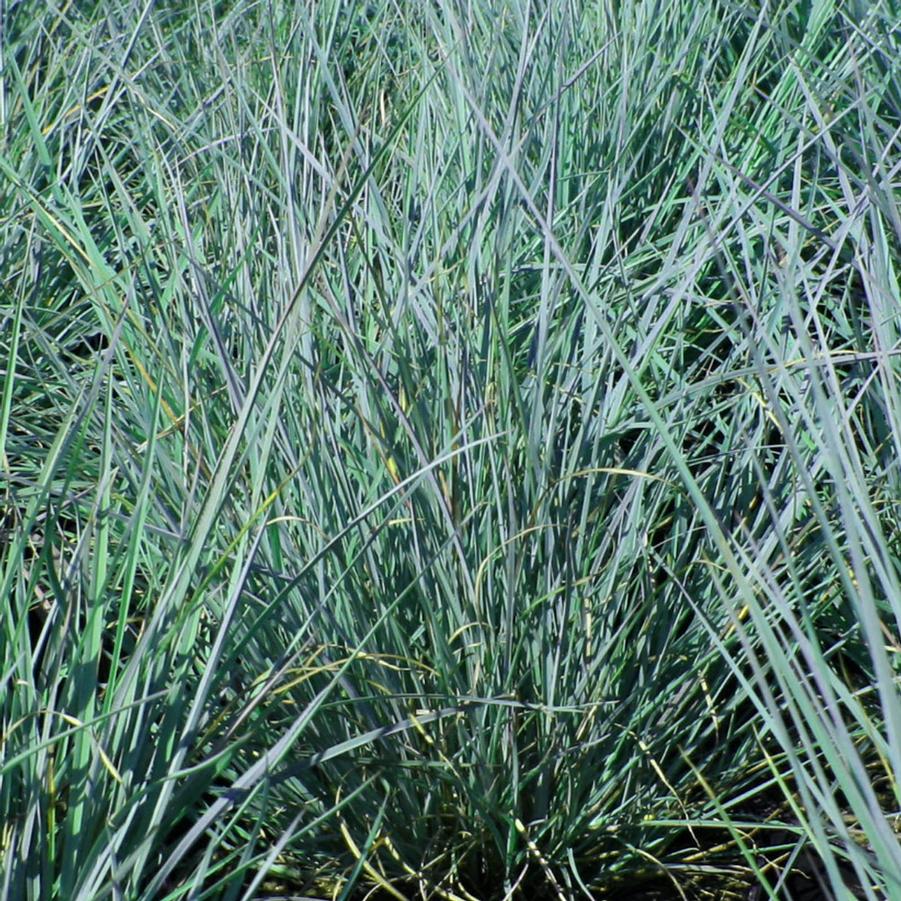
x=450, y=449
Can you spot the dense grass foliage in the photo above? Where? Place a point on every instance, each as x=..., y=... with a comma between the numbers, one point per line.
x=450, y=449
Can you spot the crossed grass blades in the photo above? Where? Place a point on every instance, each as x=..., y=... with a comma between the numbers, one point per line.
x=449, y=449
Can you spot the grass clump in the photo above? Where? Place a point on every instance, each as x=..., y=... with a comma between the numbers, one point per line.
x=450, y=450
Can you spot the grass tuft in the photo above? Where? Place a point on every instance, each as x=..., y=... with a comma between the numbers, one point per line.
x=450, y=450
